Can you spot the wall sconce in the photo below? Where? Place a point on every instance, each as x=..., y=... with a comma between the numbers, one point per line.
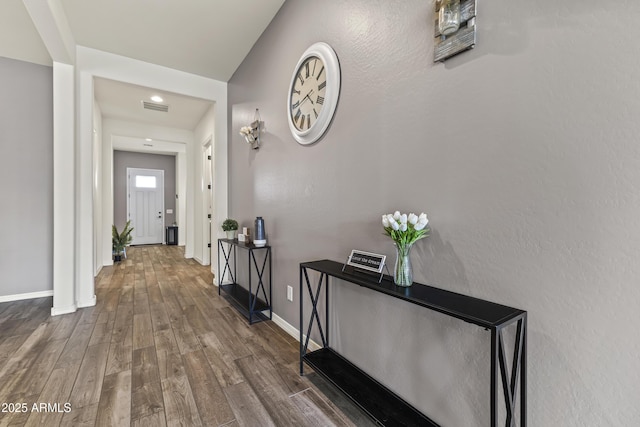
x=252, y=132
x=455, y=29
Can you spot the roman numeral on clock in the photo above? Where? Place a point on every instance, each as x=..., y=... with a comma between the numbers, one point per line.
x=320, y=100
x=296, y=105
x=322, y=85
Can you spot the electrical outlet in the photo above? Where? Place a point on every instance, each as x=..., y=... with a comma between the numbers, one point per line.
x=290, y=293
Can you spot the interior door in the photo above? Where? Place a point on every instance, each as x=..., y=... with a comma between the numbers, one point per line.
x=145, y=205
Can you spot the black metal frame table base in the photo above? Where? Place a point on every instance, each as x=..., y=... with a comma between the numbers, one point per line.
x=380, y=403
x=252, y=305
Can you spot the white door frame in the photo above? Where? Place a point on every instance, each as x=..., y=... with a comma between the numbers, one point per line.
x=207, y=200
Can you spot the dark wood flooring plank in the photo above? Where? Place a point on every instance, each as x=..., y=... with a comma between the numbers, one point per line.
x=88, y=386
x=66, y=325
x=221, y=360
x=180, y=405
x=266, y=385
x=119, y=358
x=210, y=399
x=103, y=329
x=28, y=352
x=142, y=331
x=145, y=384
x=34, y=380
x=247, y=406
x=144, y=367
x=81, y=417
x=56, y=390
x=159, y=317
x=76, y=345
x=170, y=361
x=147, y=400
x=154, y=420
x=317, y=411
x=114, y=408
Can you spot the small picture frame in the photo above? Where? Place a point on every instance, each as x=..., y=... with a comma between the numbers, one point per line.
x=367, y=261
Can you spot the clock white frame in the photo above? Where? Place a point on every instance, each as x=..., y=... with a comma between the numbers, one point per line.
x=332, y=92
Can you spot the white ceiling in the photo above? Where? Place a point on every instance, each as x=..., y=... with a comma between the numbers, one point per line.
x=209, y=38
x=124, y=101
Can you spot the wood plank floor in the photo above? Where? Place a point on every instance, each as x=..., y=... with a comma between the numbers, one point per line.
x=159, y=348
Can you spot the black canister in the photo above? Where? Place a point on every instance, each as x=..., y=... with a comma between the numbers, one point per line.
x=260, y=234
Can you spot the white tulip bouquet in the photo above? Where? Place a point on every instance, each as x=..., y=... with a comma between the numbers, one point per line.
x=247, y=132
x=405, y=230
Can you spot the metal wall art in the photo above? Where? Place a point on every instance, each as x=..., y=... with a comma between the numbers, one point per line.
x=252, y=132
x=455, y=29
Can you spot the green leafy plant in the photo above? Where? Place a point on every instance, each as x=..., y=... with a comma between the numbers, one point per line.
x=229, y=225
x=122, y=239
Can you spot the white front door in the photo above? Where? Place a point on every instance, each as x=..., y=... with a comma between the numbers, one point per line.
x=145, y=205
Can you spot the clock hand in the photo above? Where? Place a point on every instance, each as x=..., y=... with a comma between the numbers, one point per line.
x=308, y=96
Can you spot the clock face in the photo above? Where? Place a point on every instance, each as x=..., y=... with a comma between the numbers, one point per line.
x=313, y=93
x=308, y=93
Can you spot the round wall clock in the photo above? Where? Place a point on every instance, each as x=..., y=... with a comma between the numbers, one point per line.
x=313, y=93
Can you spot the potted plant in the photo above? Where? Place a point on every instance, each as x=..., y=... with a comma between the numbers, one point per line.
x=230, y=226
x=120, y=240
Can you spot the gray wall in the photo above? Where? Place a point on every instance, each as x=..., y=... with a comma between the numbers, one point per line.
x=26, y=176
x=524, y=154
x=125, y=159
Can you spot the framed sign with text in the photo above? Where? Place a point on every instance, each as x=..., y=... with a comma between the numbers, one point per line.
x=366, y=261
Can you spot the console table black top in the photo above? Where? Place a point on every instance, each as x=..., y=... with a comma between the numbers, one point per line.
x=473, y=310
x=244, y=245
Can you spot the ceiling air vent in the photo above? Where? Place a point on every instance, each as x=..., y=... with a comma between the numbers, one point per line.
x=155, y=107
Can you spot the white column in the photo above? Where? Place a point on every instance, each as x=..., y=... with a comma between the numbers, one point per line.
x=64, y=298
x=85, y=288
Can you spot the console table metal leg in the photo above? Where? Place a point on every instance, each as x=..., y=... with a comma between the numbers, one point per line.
x=251, y=297
x=494, y=377
x=315, y=316
x=523, y=374
x=227, y=267
x=301, y=324
x=511, y=376
x=326, y=309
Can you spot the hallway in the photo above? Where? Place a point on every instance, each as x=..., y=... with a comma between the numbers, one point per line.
x=159, y=348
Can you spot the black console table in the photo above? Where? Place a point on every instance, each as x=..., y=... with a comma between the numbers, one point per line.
x=252, y=303
x=380, y=403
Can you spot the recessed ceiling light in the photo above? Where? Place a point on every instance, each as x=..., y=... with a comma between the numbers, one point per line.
x=148, y=139
x=156, y=98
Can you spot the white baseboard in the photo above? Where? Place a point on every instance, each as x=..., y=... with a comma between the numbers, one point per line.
x=28, y=295
x=89, y=303
x=291, y=330
x=198, y=260
x=57, y=311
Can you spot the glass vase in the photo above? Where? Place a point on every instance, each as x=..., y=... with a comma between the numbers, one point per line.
x=449, y=17
x=403, y=273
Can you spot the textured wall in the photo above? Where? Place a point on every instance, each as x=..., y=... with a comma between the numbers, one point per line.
x=26, y=176
x=126, y=159
x=523, y=152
